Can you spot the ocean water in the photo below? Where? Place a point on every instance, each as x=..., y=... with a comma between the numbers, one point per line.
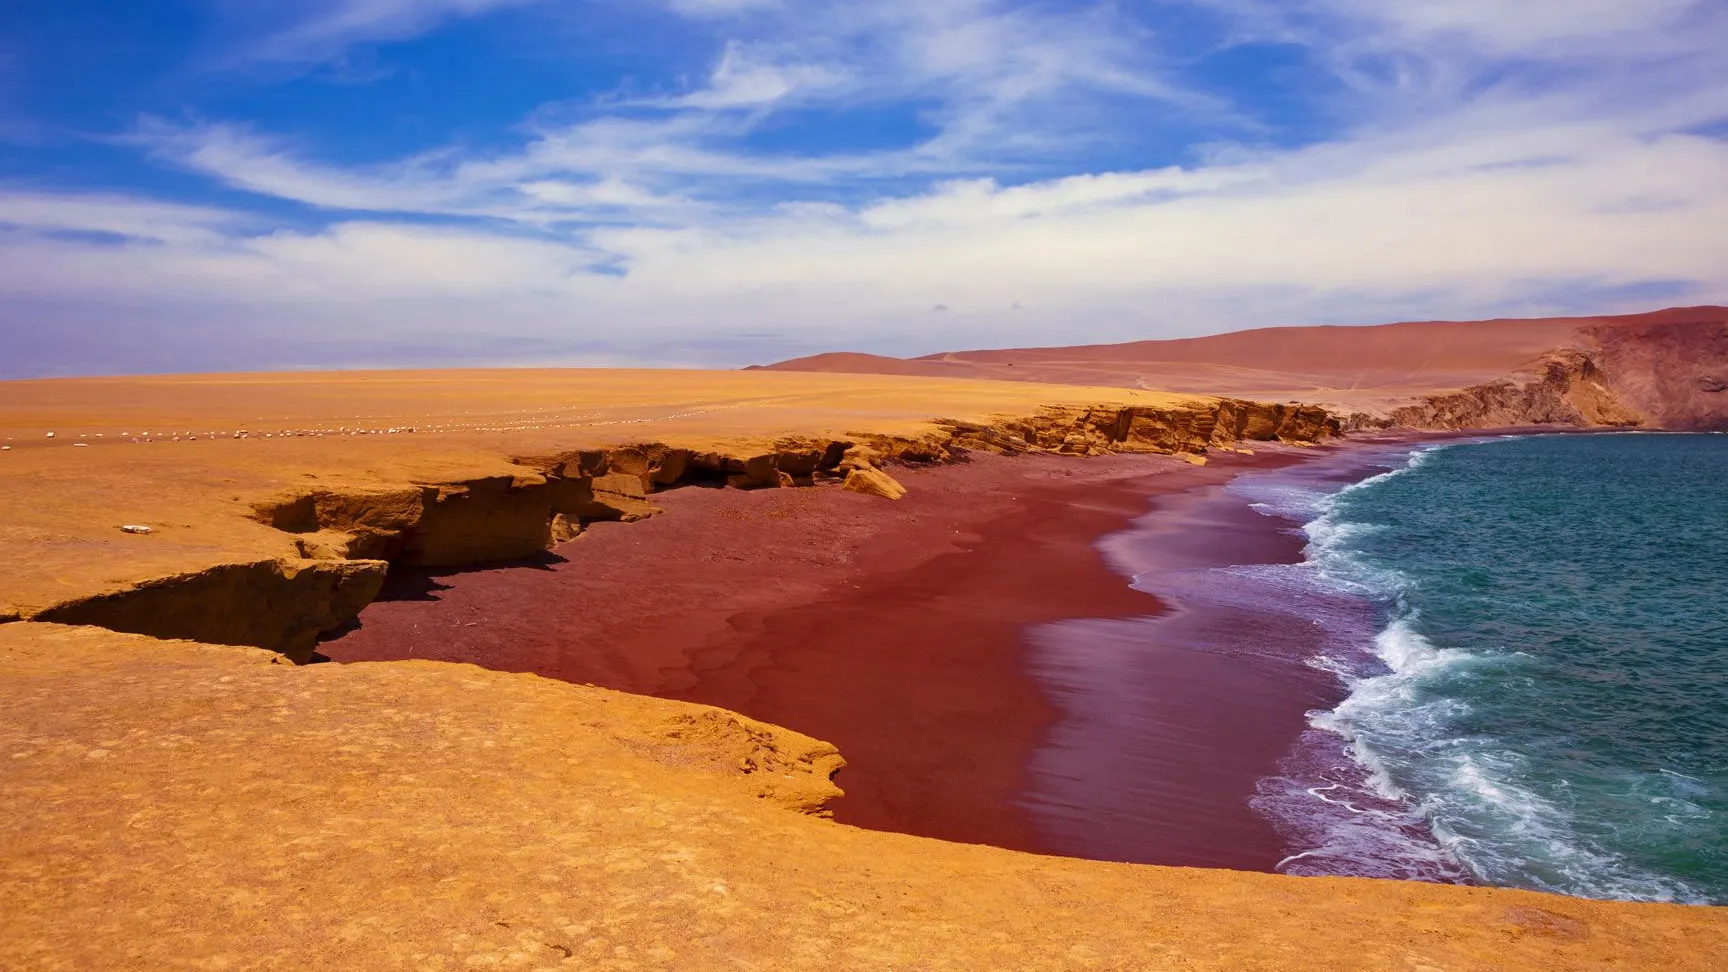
x=1533, y=634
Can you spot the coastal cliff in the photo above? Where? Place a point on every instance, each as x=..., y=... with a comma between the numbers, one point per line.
x=1659, y=375
x=1674, y=374
x=336, y=542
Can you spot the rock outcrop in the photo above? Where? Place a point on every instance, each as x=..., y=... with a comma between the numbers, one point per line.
x=1673, y=374
x=1568, y=388
x=874, y=482
x=280, y=605
x=1661, y=375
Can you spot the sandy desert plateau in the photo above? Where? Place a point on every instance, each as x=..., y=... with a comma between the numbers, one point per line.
x=181, y=794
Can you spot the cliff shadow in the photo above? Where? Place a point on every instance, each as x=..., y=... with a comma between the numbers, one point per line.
x=427, y=583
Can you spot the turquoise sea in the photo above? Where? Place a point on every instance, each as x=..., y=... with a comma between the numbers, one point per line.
x=1533, y=634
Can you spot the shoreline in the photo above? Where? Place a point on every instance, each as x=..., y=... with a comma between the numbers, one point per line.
x=1167, y=731
x=421, y=816
x=1417, y=775
x=906, y=635
x=1173, y=722
x=933, y=641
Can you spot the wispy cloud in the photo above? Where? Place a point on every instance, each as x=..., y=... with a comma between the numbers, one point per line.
x=755, y=78
x=316, y=30
x=121, y=217
x=1480, y=160
x=999, y=86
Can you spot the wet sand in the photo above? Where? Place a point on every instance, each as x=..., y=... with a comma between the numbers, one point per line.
x=916, y=637
x=1170, y=722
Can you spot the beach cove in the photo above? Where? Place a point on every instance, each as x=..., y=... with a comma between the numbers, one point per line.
x=423, y=814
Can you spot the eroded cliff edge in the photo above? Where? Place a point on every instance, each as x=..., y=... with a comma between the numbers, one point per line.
x=345, y=539
x=1670, y=375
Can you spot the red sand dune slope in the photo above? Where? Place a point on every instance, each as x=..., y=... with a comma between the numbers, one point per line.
x=1370, y=369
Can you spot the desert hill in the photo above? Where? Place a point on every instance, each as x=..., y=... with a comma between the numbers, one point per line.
x=1662, y=369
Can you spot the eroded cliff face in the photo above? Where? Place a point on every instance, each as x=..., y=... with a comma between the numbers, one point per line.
x=348, y=539
x=1660, y=375
x=1568, y=388
x=282, y=606
x=1674, y=374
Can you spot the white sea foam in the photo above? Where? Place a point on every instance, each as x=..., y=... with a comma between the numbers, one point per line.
x=1427, y=798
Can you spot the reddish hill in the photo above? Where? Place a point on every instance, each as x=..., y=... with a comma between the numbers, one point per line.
x=1648, y=359
x=858, y=363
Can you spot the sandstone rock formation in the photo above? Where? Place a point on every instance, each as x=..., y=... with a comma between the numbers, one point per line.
x=1567, y=387
x=1672, y=373
x=874, y=482
x=280, y=605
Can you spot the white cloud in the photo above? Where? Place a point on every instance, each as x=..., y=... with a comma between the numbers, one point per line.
x=117, y=216
x=1002, y=85
x=1538, y=30
x=1313, y=233
x=1469, y=183
x=313, y=30
x=1395, y=224
x=248, y=161
x=747, y=78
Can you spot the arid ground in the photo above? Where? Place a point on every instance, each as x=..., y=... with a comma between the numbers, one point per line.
x=172, y=804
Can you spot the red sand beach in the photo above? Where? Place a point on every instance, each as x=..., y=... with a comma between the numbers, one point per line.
x=1168, y=721
x=905, y=634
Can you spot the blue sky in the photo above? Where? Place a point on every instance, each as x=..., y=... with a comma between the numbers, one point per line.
x=230, y=184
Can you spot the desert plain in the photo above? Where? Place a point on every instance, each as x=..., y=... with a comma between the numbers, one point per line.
x=181, y=795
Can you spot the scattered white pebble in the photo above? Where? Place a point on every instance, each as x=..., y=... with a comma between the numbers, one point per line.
x=136, y=528
x=50, y=435
x=5, y=448
x=80, y=445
